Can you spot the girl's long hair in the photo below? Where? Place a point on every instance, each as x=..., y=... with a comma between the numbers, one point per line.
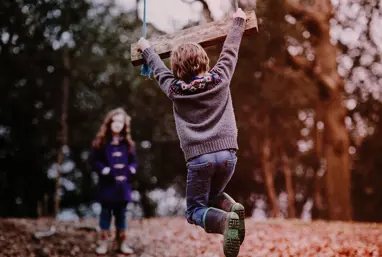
x=104, y=133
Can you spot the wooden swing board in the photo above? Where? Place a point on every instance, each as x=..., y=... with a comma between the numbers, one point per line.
x=207, y=34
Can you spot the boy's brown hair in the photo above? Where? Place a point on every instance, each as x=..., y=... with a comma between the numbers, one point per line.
x=189, y=60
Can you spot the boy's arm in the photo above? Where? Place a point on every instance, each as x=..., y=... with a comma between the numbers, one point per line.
x=226, y=64
x=161, y=73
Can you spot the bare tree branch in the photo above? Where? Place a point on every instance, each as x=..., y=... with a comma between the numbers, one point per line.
x=324, y=7
x=314, y=21
x=326, y=80
x=299, y=62
x=285, y=71
x=302, y=65
x=312, y=70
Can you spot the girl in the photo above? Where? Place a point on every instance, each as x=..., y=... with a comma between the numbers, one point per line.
x=114, y=159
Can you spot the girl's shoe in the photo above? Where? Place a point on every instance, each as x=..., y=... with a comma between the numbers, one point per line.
x=122, y=243
x=103, y=243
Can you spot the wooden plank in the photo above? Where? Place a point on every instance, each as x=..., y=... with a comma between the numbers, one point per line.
x=206, y=35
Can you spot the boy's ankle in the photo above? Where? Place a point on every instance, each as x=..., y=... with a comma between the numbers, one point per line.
x=214, y=220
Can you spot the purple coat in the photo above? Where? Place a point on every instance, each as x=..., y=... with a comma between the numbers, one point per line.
x=122, y=162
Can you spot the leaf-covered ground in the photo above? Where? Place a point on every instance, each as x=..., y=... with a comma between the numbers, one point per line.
x=175, y=237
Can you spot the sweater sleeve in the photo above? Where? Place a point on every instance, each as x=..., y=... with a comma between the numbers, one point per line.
x=226, y=63
x=162, y=74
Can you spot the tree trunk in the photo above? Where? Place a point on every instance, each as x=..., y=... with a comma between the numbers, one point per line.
x=64, y=127
x=331, y=86
x=289, y=185
x=268, y=166
x=337, y=159
x=335, y=132
x=318, y=210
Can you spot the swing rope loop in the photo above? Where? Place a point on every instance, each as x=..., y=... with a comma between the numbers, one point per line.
x=145, y=71
x=144, y=19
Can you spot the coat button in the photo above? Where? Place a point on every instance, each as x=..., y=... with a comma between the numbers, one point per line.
x=119, y=166
x=116, y=154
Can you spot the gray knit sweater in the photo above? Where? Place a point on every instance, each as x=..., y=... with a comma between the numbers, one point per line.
x=204, y=115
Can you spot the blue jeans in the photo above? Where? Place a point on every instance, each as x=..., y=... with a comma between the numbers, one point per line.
x=117, y=209
x=207, y=177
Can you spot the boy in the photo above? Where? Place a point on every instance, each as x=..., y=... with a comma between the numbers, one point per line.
x=206, y=127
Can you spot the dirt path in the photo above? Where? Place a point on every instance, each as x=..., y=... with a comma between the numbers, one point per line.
x=175, y=237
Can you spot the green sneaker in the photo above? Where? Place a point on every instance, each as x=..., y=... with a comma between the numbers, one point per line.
x=239, y=210
x=231, y=245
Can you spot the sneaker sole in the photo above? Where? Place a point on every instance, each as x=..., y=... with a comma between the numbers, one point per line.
x=239, y=210
x=231, y=245
x=124, y=254
x=101, y=254
x=118, y=251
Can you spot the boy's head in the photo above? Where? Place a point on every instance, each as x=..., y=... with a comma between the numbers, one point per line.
x=189, y=60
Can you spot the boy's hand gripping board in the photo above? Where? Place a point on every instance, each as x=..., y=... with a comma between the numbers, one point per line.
x=207, y=34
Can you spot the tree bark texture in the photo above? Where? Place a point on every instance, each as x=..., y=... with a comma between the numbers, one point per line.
x=64, y=128
x=268, y=166
x=323, y=69
x=289, y=185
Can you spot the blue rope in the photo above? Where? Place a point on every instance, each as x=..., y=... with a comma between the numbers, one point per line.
x=144, y=19
x=237, y=4
x=145, y=71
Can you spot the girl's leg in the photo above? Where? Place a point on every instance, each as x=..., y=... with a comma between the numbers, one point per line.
x=121, y=226
x=104, y=223
x=105, y=217
x=119, y=212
